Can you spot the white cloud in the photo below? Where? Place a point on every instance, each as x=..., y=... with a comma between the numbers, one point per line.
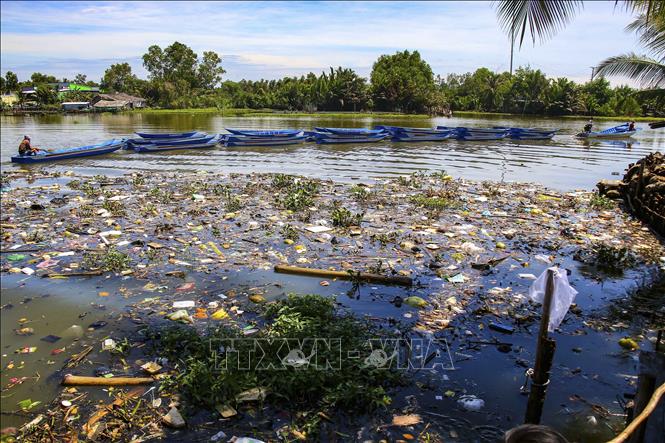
x=298, y=37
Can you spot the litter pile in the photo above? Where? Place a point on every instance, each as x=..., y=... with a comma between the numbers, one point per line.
x=470, y=249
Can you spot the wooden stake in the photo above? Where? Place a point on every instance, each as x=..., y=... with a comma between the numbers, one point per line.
x=364, y=276
x=544, y=355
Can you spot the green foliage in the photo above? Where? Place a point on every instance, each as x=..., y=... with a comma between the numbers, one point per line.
x=343, y=217
x=289, y=232
x=208, y=376
x=598, y=201
x=119, y=78
x=402, y=81
x=110, y=260
x=360, y=193
x=434, y=203
x=299, y=194
x=612, y=259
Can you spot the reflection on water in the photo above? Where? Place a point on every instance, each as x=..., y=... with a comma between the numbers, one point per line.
x=563, y=163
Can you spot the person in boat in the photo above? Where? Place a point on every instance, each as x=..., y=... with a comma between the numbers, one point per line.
x=631, y=126
x=25, y=148
x=589, y=126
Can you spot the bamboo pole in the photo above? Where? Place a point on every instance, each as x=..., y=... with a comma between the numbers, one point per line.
x=655, y=399
x=342, y=275
x=544, y=355
x=77, y=380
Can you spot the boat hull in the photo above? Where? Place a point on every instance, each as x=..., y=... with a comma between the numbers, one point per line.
x=102, y=148
x=166, y=136
x=277, y=141
x=173, y=147
x=268, y=133
x=357, y=139
x=625, y=134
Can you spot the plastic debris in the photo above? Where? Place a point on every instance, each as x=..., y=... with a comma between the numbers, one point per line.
x=183, y=304
x=562, y=297
x=471, y=402
x=174, y=419
x=415, y=302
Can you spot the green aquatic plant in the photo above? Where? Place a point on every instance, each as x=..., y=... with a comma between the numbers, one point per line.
x=598, y=201
x=434, y=203
x=344, y=218
x=208, y=375
x=289, y=232
x=110, y=260
x=115, y=207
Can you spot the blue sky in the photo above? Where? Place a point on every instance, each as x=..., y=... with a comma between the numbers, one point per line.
x=274, y=39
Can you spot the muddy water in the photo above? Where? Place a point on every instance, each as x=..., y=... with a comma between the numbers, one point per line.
x=563, y=163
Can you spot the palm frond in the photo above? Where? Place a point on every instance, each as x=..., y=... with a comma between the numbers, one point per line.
x=543, y=18
x=652, y=9
x=649, y=73
x=651, y=32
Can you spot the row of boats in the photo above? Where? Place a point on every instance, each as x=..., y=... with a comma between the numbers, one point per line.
x=157, y=142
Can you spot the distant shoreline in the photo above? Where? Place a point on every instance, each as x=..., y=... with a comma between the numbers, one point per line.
x=240, y=112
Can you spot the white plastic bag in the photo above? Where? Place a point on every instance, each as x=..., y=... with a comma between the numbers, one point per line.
x=562, y=298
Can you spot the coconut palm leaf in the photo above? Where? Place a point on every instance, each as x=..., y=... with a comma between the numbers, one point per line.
x=543, y=18
x=651, y=32
x=648, y=72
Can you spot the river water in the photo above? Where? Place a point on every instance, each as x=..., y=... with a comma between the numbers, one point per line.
x=563, y=163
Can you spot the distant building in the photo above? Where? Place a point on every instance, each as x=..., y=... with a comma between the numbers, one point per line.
x=117, y=101
x=9, y=99
x=75, y=106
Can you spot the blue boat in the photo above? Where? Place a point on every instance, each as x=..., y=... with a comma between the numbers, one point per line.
x=206, y=142
x=65, y=153
x=326, y=139
x=464, y=133
x=165, y=135
x=265, y=132
x=529, y=133
x=350, y=132
x=401, y=134
x=136, y=143
x=264, y=141
x=620, y=131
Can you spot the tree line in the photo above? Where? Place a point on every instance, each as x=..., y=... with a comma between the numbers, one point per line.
x=401, y=82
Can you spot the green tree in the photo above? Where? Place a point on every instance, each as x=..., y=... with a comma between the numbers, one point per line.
x=11, y=82
x=210, y=70
x=46, y=95
x=402, y=81
x=80, y=79
x=38, y=78
x=119, y=78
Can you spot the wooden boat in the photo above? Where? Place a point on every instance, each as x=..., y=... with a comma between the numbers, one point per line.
x=266, y=132
x=264, y=141
x=620, y=131
x=166, y=135
x=325, y=139
x=207, y=142
x=65, y=153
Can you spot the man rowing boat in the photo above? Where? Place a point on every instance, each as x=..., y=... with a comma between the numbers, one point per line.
x=25, y=148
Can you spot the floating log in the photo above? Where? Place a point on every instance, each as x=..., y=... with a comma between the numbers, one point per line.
x=77, y=380
x=342, y=275
x=74, y=274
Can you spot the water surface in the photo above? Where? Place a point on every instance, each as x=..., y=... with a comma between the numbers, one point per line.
x=562, y=163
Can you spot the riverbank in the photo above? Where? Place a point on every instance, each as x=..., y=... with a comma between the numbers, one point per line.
x=389, y=115
x=145, y=251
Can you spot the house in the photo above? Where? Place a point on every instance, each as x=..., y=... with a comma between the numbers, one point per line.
x=9, y=99
x=75, y=106
x=117, y=101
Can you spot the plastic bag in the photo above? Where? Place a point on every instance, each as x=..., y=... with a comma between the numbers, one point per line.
x=562, y=298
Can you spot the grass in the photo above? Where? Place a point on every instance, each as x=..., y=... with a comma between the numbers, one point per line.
x=207, y=375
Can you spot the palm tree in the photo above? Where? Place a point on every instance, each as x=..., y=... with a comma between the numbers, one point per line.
x=648, y=70
x=543, y=18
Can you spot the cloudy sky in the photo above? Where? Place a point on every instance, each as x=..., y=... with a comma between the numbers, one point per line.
x=274, y=39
